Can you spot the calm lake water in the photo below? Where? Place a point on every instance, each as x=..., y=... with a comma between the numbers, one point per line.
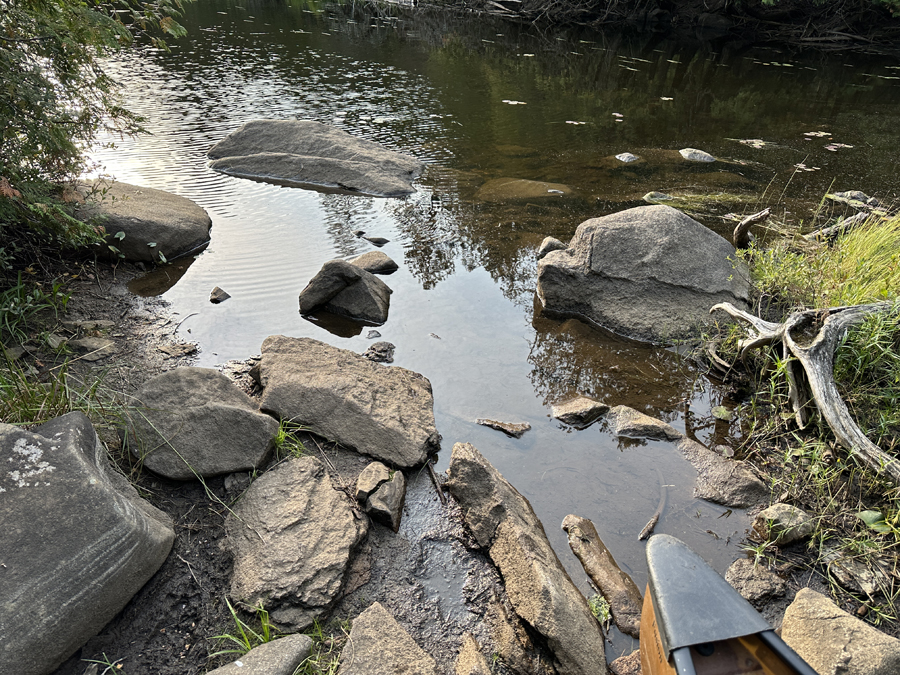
x=478, y=99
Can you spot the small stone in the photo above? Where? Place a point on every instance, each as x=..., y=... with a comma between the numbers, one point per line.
x=217, y=295
x=372, y=334
x=369, y=479
x=93, y=348
x=754, y=582
x=627, y=157
x=853, y=574
x=276, y=657
x=783, y=524
x=385, y=505
x=627, y=665
x=549, y=245
x=381, y=645
x=177, y=350
x=724, y=450
x=375, y=262
x=380, y=352
x=14, y=353
x=514, y=429
x=694, y=155
x=579, y=412
x=377, y=241
x=359, y=233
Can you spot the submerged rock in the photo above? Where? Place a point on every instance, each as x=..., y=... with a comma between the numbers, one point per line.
x=293, y=536
x=832, y=641
x=627, y=157
x=78, y=542
x=383, y=411
x=519, y=189
x=378, y=645
x=380, y=352
x=343, y=288
x=649, y=272
x=542, y=594
x=194, y=422
x=147, y=225
x=302, y=152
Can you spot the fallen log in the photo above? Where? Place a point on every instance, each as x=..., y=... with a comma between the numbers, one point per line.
x=618, y=588
x=741, y=235
x=811, y=371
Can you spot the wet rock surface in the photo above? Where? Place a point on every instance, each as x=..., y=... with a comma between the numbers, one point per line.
x=78, y=542
x=302, y=152
x=293, y=536
x=148, y=225
x=650, y=272
x=383, y=411
x=514, y=429
x=833, y=641
x=519, y=189
x=539, y=589
x=385, y=504
x=380, y=352
x=194, y=422
x=345, y=289
x=633, y=424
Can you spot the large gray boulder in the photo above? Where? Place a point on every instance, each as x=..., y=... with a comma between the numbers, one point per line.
x=293, y=537
x=302, y=152
x=650, y=273
x=278, y=657
x=194, y=422
x=378, y=645
x=148, y=225
x=78, y=542
x=343, y=288
x=383, y=411
x=540, y=590
x=834, y=642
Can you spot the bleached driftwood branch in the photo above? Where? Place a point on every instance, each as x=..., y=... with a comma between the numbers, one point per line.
x=812, y=338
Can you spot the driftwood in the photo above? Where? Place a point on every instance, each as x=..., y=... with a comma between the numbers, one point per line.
x=844, y=225
x=812, y=337
x=741, y=236
x=618, y=588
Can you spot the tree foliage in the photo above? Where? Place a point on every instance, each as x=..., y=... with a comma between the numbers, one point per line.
x=54, y=95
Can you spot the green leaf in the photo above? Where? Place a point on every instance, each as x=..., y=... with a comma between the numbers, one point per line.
x=875, y=520
x=720, y=412
x=119, y=235
x=151, y=244
x=162, y=258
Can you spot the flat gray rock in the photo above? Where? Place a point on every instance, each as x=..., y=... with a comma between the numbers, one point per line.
x=278, y=657
x=385, y=505
x=514, y=429
x=834, y=642
x=194, y=422
x=378, y=645
x=302, y=153
x=153, y=222
x=631, y=423
x=783, y=524
x=78, y=542
x=540, y=590
x=375, y=262
x=383, y=411
x=650, y=273
x=343, y=288
x=293, y=537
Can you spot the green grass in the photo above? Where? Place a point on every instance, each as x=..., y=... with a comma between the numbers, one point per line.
x=24, y=302
x=287, y=442
x=325, y=654
x=244, y=638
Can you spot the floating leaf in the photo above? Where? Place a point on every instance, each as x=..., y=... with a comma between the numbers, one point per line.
x=817, y=134
x=574, y=122
x=834, y=147
x=618, y=115
x=666, y=98
x=875, y=520
x=506, y=100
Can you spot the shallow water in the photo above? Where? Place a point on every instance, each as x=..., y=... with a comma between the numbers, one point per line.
x=463, y=310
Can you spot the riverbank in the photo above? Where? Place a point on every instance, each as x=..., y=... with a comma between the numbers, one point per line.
x=833, y=26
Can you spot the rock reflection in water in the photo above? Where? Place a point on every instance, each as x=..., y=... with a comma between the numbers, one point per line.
x=161, y=279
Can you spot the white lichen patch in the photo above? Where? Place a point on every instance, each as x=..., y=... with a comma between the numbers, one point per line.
x=27, y=458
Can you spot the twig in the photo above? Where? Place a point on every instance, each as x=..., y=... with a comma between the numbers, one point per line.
x=185, y=319
x=434, y=481
x=741, y=236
